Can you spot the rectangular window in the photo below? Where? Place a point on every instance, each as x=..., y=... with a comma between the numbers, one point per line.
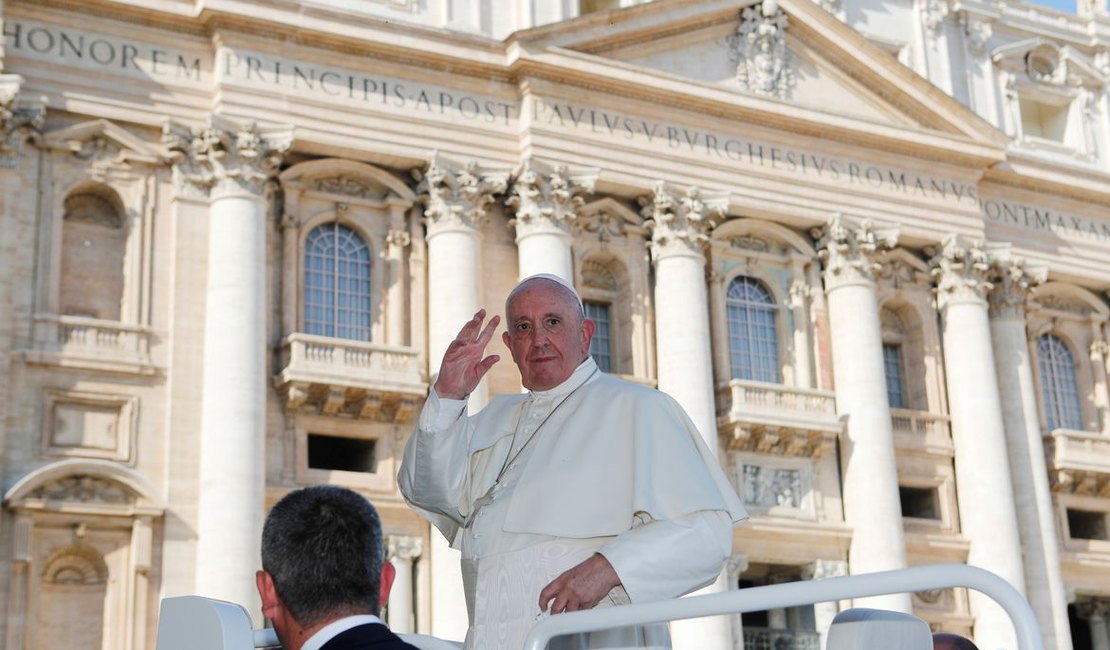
x=920, y=503
x=1042, y=120
x=1085, y=524
x=601, y=345
x=892, y=365
x=343, y=454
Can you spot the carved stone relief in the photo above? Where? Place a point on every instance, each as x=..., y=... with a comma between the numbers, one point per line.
x=771, y=487
x=456, y=196
x=759, y=50
x=223, y=156
x=84, y=489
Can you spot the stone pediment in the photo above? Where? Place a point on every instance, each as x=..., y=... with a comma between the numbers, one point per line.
x=789, y=51
x=104, y=141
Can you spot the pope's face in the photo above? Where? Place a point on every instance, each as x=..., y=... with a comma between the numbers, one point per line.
x=545, y=334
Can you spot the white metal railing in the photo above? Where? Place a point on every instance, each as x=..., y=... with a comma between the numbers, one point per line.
x=744, y=396
x=81, y=334
x=793, y=594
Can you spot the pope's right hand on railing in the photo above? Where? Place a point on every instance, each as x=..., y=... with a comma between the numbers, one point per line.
x=463, y=364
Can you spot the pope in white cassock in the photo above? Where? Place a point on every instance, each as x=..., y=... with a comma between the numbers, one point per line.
x=585, y=491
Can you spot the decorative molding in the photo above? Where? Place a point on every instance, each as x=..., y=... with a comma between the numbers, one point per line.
x=456, y=197
x=546, y=199
x=404, y=547
x=79, y=564
x=345, y=186
x=759, y=50
x=1094, y=609
x=89, y=425
x=750, y=243
x=681, y=224
x=598, y=275
x=1063, y=303
x=850, y=251
x=820, y=569
x=933, y=13
x=978, y=33
x=602, y=225
x=1012, y=282
x=961, y=269
x=20, y=120
x=222, y=156
x=84, y=488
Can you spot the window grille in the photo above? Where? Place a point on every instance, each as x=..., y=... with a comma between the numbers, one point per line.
x=892, y=366
x=601, y=345
x=752, y=334
x=337, y=283
x=1059, y=385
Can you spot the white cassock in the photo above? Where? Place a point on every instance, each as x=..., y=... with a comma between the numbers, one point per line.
x=536, y=483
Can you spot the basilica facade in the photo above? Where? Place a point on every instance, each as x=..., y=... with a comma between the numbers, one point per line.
x=864, y=243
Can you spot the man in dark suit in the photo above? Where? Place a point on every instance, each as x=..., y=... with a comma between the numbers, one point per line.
x=323, y=576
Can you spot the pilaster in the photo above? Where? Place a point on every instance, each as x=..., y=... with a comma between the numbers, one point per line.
x=20, y=119
x=546, y=199
x=402, y=551
x=850, y=252
x=824, y=613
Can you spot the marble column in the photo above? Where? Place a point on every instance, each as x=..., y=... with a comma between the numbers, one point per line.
x=1012, y=281
x=402, y=551
x=824, y=613
x=734, y=568
x=396, y=241
x=230, y=165
x=545, y=200
x=679, y=230
x=985, y=491
x=455, y=199
x=871, y=502
x=1095, y=613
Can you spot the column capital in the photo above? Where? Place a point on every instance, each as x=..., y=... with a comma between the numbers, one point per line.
x=1011, y=280
x=850, y=250
x=1093, y=609
x=20, y=119
x=547, y=197
x=396, y=241
x=819, y=569
x=456, y=196
x=680, y=224
x=962, y=270
x=737, y=564
x=403, y=547
x=223, y=157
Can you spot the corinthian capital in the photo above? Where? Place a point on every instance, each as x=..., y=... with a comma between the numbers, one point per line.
x=222, y=156
x=457, y=196
x=681, y=224
x=962, y=270
x=547, y=198
x=850, y=251
x=19, y=120
x=403, y=547
x=1011, y=280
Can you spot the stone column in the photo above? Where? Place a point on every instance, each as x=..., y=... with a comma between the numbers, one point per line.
x=455, y=200
x=402, y=551
x=230, y=165
x=679, y=228
x=734, y=568
x=824, y=613
x=545, y=202
x=1099, y=352
x=803, y=359
x=871, y=502
x=988, y=518
x=1032, y=495
x=1094, y=612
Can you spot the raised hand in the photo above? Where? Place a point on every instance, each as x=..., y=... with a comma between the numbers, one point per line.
x=580, y=587
x=463, y=365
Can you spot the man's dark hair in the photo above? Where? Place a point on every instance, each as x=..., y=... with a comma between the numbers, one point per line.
x=323, y=547
x=953, y=641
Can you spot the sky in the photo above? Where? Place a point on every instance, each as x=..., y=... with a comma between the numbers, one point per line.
x=1063, y=5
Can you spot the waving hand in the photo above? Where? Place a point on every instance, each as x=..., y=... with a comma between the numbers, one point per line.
x=463, y=364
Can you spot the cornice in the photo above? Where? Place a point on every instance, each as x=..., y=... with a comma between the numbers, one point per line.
x=1068, y=182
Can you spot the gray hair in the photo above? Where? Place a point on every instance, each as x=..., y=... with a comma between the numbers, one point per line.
x=323, y=547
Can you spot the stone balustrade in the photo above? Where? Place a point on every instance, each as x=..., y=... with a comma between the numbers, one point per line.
x=922, y=431
x=1079, y=462
x=80, y=341
x=362, y=379
x=778, y=419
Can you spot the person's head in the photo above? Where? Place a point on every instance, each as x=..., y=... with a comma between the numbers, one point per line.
x=946, y=641
x=322, y=559
x=546, y=331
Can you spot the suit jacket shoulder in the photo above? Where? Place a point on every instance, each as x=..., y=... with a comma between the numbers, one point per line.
x=362, y=637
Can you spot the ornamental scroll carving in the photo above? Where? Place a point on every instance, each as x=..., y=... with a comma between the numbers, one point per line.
x=759, y=50
x=458, y=196
x=19, y=120
x=548, y=200
x=850, y=251
x=1012, y=281
x=681, y=223
x=222, y=156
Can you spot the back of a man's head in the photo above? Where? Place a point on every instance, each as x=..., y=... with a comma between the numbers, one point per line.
x=946, y=641
x=322, y=545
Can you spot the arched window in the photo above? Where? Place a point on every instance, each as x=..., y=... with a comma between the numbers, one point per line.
x=94, y=241
x=1059, y=386
x=336, y=283
x=752, y=334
